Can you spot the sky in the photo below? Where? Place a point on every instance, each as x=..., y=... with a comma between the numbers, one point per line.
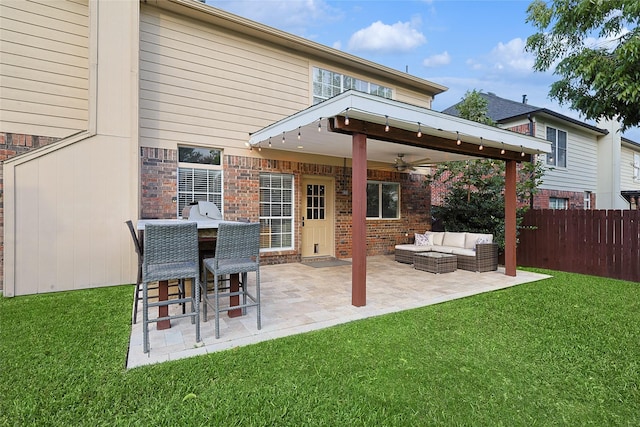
x=461, y=44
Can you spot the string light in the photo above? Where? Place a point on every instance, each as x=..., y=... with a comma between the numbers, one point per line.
x=346, y=116
x=502, y=151
x=283, y=137
x=320, y=124
x=521, y=151
x=481, y=145
x=259, y=147
x=419, y=131
x=269, y=142
x=458, y=142
x=386, y=126
x=299, y=135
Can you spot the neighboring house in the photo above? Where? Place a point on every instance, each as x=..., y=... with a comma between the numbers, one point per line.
x=117, y=110
x=589, y=167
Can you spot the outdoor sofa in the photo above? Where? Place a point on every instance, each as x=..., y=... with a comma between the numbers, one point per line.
x=475, y=251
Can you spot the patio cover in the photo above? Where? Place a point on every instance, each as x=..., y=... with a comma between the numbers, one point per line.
x=368, y=128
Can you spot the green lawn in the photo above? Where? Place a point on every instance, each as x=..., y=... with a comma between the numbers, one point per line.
x=563, y=351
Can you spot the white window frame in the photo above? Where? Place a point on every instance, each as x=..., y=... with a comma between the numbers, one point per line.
x=380, y=185
x=209, y=173
x=552, y=159
x=558, y=203
x=278, y=212
x=327, y=84
x=587, y=200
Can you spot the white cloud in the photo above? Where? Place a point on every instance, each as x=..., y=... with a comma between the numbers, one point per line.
x=511, y=56
x=294, y=16
x=437, y=60
x=383, y=38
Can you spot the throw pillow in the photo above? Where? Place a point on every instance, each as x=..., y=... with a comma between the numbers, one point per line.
x=422, y=240
x=483, y=239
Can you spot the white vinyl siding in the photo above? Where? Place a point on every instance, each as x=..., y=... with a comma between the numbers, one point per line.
x=200, y=85
x=44, y=67
x=582, y=156
x=629, y=168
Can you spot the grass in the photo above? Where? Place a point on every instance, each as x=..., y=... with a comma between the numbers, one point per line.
x=563, y=351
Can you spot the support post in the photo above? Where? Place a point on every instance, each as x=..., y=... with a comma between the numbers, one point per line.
x=510, y=204
x=359, y=221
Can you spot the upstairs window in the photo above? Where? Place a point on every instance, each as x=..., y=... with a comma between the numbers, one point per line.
x=199, y=176
x=383, y=200
x=558, y=139
x=327, y=84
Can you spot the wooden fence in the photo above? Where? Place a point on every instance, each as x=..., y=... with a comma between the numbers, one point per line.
x=596, y=242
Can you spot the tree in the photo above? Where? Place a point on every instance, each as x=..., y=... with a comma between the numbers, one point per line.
x=474, y=198
x=594, y=46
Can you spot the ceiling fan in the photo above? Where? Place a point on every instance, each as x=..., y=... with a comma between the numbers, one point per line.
x=401, y=165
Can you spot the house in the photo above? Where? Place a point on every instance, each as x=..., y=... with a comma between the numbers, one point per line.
x=589, y=167
x=118, y=110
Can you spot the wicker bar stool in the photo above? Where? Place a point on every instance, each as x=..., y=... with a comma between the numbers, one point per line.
x=237, y=252
x=170, y=252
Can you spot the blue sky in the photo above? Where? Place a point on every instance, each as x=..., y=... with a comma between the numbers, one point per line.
x=461, y=44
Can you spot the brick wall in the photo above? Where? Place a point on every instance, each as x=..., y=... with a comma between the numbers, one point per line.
x=11, y=145
x=575, y=198
x=241, y=199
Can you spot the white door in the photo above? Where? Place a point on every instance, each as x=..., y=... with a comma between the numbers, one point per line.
x=317, y=217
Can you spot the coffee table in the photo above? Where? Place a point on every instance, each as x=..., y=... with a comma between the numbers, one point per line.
x=435, y=262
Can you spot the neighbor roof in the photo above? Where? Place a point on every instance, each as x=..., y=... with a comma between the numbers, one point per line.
x=502, y=110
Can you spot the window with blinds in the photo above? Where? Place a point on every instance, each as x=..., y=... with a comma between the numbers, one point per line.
x=276, y=211
x=199, y=176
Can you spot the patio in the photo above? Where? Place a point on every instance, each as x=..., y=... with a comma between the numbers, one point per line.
x=299, y=298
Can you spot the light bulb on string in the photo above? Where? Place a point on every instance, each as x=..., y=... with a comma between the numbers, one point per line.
x=419, y=130
x=299, y=134
x=269, y=141
x=502, y=151
x=481, y=145
x=386, y=126
x=283, y=137
x=521, y=151
x=458, y=141
x=320, y=124
x=346, y=117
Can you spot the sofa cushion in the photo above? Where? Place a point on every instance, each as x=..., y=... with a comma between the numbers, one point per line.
x=445, y=249
x=423, y=240
x=414, y=248
x=471, y=239
x=437, y=237
x=465, y=252
x=455, y=240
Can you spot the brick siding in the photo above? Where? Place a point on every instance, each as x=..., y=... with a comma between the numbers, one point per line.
x=242, y=197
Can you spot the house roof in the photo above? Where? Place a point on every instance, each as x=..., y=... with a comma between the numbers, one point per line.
x=369, y=114
x=503, y=110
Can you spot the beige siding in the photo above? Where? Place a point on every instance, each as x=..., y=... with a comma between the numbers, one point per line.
x=203, y=86
x=626, y=169
x=44, y=67
x=69, y=243
x=582, y=160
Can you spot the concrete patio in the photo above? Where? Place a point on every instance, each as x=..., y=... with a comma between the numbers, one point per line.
x=298, y=298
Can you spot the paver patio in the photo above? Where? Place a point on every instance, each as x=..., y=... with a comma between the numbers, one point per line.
x=298, y=298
